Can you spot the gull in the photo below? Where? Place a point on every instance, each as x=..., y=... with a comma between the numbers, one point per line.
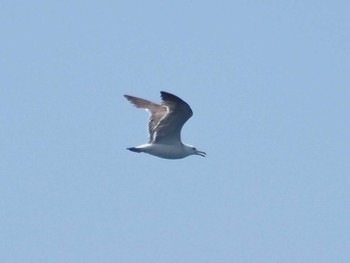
x=164, y=127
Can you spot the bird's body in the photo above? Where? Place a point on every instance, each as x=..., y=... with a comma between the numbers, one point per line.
x=165, y=124
x=164, y=150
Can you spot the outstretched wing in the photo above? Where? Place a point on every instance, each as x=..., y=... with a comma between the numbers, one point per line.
x=156, y=111
x=168, y=130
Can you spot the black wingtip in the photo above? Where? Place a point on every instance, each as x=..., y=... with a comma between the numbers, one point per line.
x=170, y=97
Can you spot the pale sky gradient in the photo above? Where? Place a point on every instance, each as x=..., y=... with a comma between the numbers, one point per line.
x=269, y=84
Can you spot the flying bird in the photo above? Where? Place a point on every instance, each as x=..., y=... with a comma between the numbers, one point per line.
x=164, y=127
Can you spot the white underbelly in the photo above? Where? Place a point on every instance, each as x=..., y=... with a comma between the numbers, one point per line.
x=165, y=151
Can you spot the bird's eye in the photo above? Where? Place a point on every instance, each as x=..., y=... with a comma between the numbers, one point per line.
x=193, y=148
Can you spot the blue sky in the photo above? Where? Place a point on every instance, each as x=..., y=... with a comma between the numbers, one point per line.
x=268, y=82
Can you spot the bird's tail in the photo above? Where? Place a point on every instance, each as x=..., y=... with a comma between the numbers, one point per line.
x=134, y=149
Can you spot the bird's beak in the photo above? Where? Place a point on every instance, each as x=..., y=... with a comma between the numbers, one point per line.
x=203, y=154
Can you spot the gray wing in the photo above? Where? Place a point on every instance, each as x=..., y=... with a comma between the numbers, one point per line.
x=168, y=130
x=156, y=111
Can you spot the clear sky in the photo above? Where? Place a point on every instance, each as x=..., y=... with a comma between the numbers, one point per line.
x=268, y=82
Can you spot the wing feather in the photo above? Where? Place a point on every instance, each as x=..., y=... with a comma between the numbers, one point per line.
x=166, y=120
x=156, y=111
x=169, y=127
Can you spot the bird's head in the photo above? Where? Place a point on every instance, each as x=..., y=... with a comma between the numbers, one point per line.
x=193, y=151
